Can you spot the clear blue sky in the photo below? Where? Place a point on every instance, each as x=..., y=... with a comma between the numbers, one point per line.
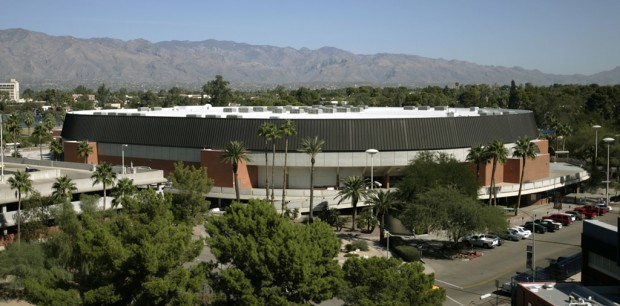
x=554, y=36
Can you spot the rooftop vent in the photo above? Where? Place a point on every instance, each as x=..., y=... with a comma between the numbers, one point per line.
x=277, y=111
x=156, y=108
x=234, y=116
x=423, y=107
x=193, y=116
x=342, y=110
x=450, y=114
x=100, y=113
x=313, y=111
x=137, y=114
x=409, y=107
x=143, y=109
x=441, y=108
x=473, y=109
x=296, y=111
x=244, y=109
x=229, y=109
x=121, y=114
x=259, y=108
x=212, y=116
x=355, y=109
x=328, y=110
x=274, y=117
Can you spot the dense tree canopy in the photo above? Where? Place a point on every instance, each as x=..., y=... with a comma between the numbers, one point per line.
x=271, y=261
x=191, y=186
x=135, y=257
x=381, y=281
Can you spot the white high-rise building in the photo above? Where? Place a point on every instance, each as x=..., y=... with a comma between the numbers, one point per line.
x=12, y=88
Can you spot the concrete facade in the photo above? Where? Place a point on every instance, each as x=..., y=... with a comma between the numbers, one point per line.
x=12, y=88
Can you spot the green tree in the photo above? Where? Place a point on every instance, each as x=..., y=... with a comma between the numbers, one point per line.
x=191, y=186
x=63, y=187
x=381, y=281
x=524, y=149
x=36, y=216
x=84, y=149
x=270, y=260
x=104, y=175
x=40, y=135
x=430, y=169
x=22, y=184
x=28, y=118
x=235, y=153
x=383, y=202
x=312, y=146
x=288, y=128
x=477, y=155
x=124, y=188
x=447, y=209
x=135, y=257
x=498, y=154
x=353, y=188
x=218, y=90
x=56, y=148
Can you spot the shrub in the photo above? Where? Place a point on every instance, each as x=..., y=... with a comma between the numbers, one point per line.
x=361, y=245
x=407, y=253
x=351, y=255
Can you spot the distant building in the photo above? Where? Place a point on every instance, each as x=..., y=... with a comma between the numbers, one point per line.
x=12, y=88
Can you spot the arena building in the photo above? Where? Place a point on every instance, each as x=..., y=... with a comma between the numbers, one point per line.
x=196, y=135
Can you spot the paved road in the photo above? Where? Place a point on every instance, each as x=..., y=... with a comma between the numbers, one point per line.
x=466, y=281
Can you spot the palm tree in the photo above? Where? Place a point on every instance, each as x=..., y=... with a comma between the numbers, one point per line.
x=312, y=146
x=56, y=148
x=382, y=202
x=40, y=135
x=478, y=155
x=22, y=184
x=124, y=188
x=525, y=149
x=274, y=134
x=288, y=128
x=499, y=154
x=28, y=119
x=49, y=121
x=233, y=154
x=106, y=176
x=264, y=130
x=64, y=187
x=84, y=149
x=354, y=188
x=12, y=126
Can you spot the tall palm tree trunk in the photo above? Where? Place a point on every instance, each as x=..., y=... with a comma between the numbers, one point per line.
x=19, y=217
x=311, y=192
x=266, y=172
x=520, y=187
x=273, y=167
x=284, y=178
x=492, y=196
x=236, y=186
x=104, y=197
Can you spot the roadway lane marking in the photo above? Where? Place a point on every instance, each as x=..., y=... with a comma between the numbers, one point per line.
x=452, y=285
x=453, y=300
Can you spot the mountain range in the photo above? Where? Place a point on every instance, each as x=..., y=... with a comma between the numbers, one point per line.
x=39, y=60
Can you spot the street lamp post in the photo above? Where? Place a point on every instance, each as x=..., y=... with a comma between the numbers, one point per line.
x=596, y=127
x=608, y=140
x=372, y=153
x=123, y=156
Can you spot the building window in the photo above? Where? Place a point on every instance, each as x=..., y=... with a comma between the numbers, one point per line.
x=603, y=265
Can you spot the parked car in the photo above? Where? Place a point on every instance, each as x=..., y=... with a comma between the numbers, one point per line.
x=483, y=240
x=598, y=210
x=511, y=235
x=604, y=206
x=562, y=218
x=571, y=216
x=522, y=231
x=578, y=215
x=550, y=225
x=535, y=227
x=586, y=212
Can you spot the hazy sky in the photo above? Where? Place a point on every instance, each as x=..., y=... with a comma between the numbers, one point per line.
x=554, y=36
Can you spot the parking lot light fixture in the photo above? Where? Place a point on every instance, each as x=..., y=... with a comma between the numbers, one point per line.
x=596, y=127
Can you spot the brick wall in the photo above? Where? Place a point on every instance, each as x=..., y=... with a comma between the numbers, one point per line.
x=71, y=153
x=221, y=172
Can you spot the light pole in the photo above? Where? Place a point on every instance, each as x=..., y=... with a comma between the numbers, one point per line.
x=123, y=156
x=608, y=140
x=596, y=127
x=372, y=153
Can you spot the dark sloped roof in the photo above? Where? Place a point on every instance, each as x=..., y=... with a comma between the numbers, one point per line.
x=347, y=135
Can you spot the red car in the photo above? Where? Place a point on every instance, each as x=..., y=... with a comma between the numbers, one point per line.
x=586, y=212
x=562, y=218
